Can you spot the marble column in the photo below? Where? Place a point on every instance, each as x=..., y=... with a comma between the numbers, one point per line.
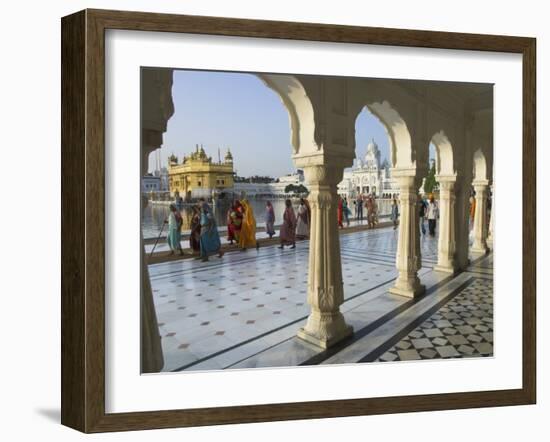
x=152, y=358
x=157, y=108
x=491, y=218
x=325, y=325
x=446, y=246
x=480, y=217
x=462, y=226
x=408, y=259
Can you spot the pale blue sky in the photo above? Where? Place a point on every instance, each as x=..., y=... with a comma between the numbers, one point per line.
x=235, y=110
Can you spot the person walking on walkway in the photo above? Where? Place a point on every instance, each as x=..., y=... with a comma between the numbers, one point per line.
x=248, y=230
x=370, y=212
x=303, y=220
x=422, y=206
x=340, y=212
x=359, y=208
x=234, y=222
x=229, y=223
x=174, y=230
x=269, y=219
x=394, y=215
x=288, y=228
x=432, y=215
x=210, y=243
x=195, y=235
x=345, y=210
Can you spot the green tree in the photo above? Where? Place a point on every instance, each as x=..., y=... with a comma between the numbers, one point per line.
x=300, y=189
x=431, y=182
x=290, y=188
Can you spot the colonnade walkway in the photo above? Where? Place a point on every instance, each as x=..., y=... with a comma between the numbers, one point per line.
x=245, y=309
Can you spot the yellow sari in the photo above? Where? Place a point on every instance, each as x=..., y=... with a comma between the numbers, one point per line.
x=248, y=228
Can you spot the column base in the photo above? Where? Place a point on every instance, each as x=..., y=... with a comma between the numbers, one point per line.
x=450, y=269
x=409, y=292
x=325, y=330
x=325, y=342
x=479, y=250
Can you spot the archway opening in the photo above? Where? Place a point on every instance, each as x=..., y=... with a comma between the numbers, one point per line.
x=217, y=146
x=479, y=174
x=232, y=136
x=479, y=203
x=367, y=185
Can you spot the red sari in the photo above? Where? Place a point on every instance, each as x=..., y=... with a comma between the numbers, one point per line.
x=195, y=236
x=340, y=213
x=234, y=221
x=230, y=226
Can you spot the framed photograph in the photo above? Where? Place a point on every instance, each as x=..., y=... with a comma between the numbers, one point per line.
x=269, y=220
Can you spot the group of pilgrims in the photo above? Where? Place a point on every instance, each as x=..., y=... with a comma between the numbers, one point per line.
x=368, y=202
x=241, y=224
x=204, y=239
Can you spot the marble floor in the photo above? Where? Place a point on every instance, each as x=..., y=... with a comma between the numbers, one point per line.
x=244, y=309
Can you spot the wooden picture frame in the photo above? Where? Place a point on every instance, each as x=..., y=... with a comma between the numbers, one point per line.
x=83, y=235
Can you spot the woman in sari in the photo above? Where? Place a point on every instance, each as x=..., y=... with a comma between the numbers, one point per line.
x=340, y=212
x=248, y=229
x=288, y=229
x=174, y=230
x=269, y=219
x=195, y=236
x=472, y=211
x=210, y=239
x=230, y=228
x=302, y=225
x=234, y=222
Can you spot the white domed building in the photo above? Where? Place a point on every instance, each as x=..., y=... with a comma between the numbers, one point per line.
x=368, y=177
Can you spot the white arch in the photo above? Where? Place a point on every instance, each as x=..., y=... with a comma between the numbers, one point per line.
x=300, y=110
x=444, y=159
x=480, y=166
x=398, y=134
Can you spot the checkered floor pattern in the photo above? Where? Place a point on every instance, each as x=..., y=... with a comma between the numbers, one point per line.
x=461, y=328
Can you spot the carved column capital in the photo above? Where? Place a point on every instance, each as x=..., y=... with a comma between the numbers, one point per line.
x=480, y=185
x=446, y=191
x=446, y=186
x=322, y=175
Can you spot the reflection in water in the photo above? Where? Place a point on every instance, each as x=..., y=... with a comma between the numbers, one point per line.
x=155, y=214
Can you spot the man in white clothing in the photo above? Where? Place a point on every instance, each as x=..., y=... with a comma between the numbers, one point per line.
x=432, y=215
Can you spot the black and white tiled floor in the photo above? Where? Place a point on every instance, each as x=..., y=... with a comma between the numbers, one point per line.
x=461, y=328
x=244, y=309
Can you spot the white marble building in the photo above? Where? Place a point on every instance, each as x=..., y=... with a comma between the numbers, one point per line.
x=150, y=183
x=368, y=176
